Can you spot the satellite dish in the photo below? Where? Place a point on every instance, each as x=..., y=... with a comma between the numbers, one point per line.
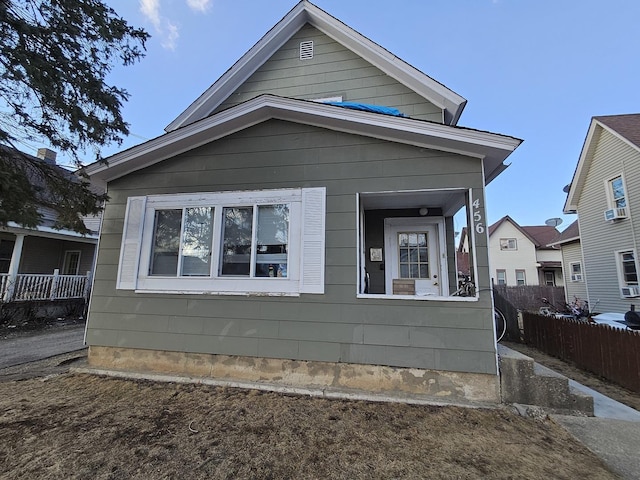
x=553, y=222
x=566, y=188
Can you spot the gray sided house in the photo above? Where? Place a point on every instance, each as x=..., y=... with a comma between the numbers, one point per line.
x=45, y=263
x=605, y=193
x=289, y=228
x=575, y=287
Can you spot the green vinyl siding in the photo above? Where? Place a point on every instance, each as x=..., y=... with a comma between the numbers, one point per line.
x=335, y=326
x=601, y=238
x=333, y=71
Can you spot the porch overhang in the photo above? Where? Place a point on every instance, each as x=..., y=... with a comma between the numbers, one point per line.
x=48, y=232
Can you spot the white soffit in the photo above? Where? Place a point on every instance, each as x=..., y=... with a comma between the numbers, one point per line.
x=305, y=12
x=491, y=147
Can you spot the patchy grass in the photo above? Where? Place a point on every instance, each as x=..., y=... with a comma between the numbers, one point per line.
x=85, y=426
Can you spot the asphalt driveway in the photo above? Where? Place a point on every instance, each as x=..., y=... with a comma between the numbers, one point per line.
x=40, y=345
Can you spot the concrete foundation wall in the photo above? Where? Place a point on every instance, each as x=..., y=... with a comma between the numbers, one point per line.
x=437, y=386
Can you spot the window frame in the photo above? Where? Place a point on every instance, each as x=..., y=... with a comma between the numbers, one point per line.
x=573, y=274
x=524, y=277
x=622, y=282
x=498, y=272
x=507, y=242
x=307, y=208
x=545, y=274
x=66, y=261
x=611, y=200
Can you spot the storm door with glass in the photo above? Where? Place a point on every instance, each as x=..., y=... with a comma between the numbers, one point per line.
x=411, y=258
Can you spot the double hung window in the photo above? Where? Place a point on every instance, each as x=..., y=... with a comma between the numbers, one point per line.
x=616, y=193
x=627, y=268
x=228, y=242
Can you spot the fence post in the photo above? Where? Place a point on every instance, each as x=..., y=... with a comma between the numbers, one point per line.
x=87, y=286
x=54, y=284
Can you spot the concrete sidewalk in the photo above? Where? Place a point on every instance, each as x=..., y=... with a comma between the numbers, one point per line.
x=613, y=434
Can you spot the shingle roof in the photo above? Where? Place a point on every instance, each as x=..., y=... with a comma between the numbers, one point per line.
x=569, y=234
x=626, y=125
x=540, y=235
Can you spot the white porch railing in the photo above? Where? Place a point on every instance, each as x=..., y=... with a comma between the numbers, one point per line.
x=25, y=287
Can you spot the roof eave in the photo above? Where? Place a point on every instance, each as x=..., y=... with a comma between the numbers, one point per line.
x=489, y=147
x=579, y=175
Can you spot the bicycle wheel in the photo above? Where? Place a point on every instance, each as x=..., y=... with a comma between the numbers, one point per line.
x=501, y=324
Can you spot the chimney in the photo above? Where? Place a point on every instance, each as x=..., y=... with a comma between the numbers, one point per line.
x=49, y=156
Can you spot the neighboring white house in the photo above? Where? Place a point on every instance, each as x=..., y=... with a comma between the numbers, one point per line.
x=521, y=255
x=605, y=193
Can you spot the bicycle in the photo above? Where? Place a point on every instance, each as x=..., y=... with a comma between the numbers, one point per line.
x=466, y=288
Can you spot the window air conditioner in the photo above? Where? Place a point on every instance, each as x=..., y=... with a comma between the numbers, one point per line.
x=576, y=277
x=615, y=213
x=629, y=292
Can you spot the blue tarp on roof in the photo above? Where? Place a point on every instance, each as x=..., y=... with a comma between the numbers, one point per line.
x=369, y=108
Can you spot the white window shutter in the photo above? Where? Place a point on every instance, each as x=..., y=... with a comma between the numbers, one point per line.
x=130, y=248
x=313, y=243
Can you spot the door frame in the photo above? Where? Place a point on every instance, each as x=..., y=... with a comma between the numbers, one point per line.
x=415, y=223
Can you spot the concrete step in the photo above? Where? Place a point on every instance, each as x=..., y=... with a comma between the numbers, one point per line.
x=522, y=381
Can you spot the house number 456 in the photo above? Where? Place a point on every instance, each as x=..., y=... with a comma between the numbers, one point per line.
x=477, y=217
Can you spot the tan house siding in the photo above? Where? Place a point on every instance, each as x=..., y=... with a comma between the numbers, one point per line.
x=601, y=238
x=333, y=71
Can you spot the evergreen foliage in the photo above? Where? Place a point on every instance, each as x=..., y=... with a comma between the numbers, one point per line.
x=55, y=56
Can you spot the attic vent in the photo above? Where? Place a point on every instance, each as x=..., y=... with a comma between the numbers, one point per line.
x=306, y=50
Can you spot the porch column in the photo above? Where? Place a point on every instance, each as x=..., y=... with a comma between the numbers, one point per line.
x=16, y=256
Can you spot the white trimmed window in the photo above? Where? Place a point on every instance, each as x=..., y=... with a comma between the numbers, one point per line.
x=576, y=272
x=256, y=242
x=501, y=277
x=521, y=278
x=508, y=244
x=616, y=193
x=627, y=268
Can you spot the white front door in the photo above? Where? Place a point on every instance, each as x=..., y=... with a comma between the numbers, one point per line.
x=412, y=251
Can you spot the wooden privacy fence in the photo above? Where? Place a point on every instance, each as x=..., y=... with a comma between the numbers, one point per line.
x=529, y=297
x=609, y=352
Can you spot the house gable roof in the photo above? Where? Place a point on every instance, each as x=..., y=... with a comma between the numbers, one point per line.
x=569, y=235
x=624, y=127
x=492, y=148
x=306, y=12
x=539, y=235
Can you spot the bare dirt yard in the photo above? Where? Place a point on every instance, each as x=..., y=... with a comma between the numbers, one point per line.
x=57, y=424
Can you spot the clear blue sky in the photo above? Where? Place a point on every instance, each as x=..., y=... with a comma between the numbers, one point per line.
x=533, y=69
